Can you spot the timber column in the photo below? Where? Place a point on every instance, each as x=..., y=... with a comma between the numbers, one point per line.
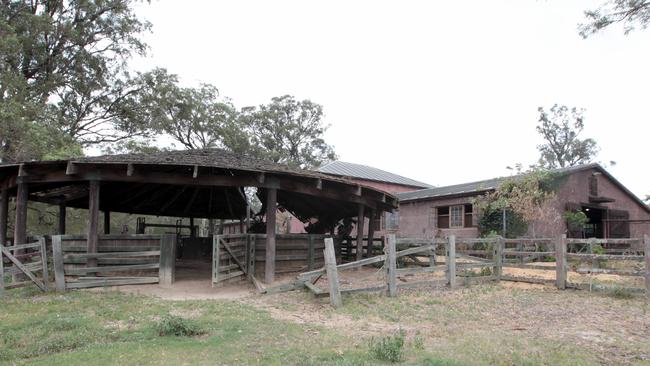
x=371, y=233
x=20, y=229
x=271, y=206
x=93, y=220
x=62, y=211
x=4, y=212
x=360, y=221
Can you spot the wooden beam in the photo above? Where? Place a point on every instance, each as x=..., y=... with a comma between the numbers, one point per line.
x=129, y=170
x=167, y=269
x=261, y=178
x=358, y=191
x=71, y=168
x=319, y=184
x=195, y=172
x=62, y=217
x=173, y=199
x=20, y=227
x=4, y=215
x=22, y=170
x=93, y=221
x=271, y=208
x=360, y=221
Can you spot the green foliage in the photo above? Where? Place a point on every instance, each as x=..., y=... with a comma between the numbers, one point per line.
x=289, y=131
x=171, y=325
x=630, y=13
x=576, y=220
x=389, y=348
x=619, y=293
x=560, y=127
x=491, y=222
x=62, y=74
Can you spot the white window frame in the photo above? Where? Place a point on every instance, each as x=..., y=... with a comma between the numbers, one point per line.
x=460, y=213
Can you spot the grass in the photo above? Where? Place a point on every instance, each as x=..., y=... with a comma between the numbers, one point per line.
x=478, y=325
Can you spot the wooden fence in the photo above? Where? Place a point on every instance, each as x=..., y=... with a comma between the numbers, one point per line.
x=119, y=260
x=23, y=263
x=475, y=260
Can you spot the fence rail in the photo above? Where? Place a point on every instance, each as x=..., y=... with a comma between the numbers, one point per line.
x=460, y=259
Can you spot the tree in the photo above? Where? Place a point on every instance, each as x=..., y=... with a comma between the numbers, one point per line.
x=66, y=60
x=631, y=13
x=561, y=127
x=199, y=118
x=524, y=198
x=288, y=131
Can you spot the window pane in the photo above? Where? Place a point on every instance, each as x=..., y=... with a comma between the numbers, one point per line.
x=456, y=216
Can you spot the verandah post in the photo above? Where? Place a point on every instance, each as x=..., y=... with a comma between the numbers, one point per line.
x=371, y=234
x=332, y=274
x=451, y=261
x=360, y=222
x=4, y=212
x=391, y=261
x=20, y=227
x=560, y=262
x=93, y=221
x=269, y=265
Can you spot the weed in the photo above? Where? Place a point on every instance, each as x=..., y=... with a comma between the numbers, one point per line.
x=171, y=325
x=418, y=342
x=388, y=348
x=620, y=293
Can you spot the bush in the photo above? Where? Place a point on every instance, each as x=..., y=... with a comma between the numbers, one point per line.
x=389, y=348
x=170, y=325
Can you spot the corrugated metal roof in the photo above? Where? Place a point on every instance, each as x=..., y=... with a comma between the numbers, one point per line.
x=344, y=169
x=476, y=187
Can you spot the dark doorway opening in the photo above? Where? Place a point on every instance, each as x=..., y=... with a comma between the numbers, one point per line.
x=594, y=228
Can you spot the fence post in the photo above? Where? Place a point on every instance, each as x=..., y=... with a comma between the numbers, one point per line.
x=451, y=261
x=646, y=252
x=498, y=257
x=310, y=252
x=2, y=273
x=560, y=262
x=332, y=274
x=251, y=255
x=391, y=261
x=432, y=253
x=216, y=251
x=46, y=277
x=167, y=269
x=57, y=260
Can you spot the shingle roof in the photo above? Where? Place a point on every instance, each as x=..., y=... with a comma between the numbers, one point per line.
x=343, y=169
x=479, y=186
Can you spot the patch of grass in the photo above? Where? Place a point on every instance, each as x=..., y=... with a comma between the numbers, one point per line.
x=389, y=348
x=172, y=325
x=620, y=293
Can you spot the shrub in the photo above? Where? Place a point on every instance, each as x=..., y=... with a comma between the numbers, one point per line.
x=388, y=348
x=170, y=325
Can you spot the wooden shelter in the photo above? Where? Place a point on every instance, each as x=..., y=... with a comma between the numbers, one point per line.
x=196, y=184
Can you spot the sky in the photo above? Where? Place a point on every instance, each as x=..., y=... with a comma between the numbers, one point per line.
x=443, y=92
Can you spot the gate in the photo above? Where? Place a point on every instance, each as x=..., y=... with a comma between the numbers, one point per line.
x=233, y=256
x=27, y=259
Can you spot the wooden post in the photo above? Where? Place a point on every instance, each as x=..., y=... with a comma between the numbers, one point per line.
x=93, y=221
x=332, y=274
x=192, y=231
x=560, y=262
x=498, y=258
x=4, y=214
x=391, y=265
x=371, y=234
x=2, y=273
x=216, y=258
x=167, y=269
x=107, y=222
x=57, y=259
x=432, y=253
x=62, y=217
x=251, y=255
x=271, y=207
x=310, y=252
x=20, y=228
x=646, y=251
x=46, y=277
x=451, y=261
x=360, y=220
